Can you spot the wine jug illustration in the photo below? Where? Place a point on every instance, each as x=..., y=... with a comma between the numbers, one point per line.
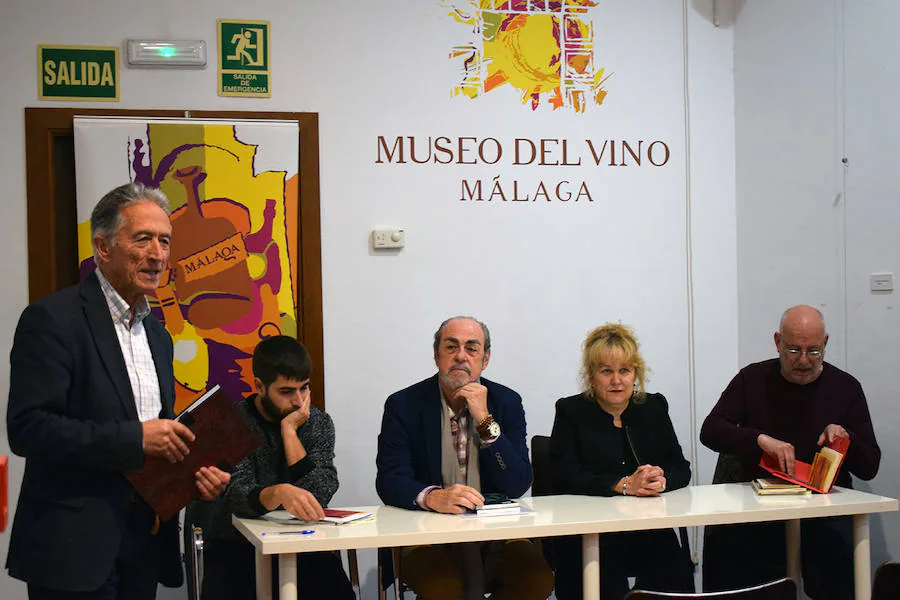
x=210, y=261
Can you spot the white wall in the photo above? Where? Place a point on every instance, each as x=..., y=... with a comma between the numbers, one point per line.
x=654, y=243
x=713, y=214
x=814, y=83
x=787, y=169
x=871, y=76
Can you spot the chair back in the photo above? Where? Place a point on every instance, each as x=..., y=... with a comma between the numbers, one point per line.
x=542, y=484
x=783, y=589
x=541, y=466
x=887, y=582
x=728, y=469
x=715, y=540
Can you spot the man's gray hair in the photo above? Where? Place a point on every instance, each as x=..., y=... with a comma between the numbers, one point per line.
x=484, y=329
x=106, y=218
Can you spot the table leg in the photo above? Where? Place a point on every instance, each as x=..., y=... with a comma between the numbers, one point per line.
x=590, y=552
x=354, y=571
x=263, y=576
x=792, y=539
x=862, y=558
x=287, y=574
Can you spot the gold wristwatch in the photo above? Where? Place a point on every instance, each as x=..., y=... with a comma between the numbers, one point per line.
x=488, y=428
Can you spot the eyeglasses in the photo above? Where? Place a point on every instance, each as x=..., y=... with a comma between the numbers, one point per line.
x=814, y=353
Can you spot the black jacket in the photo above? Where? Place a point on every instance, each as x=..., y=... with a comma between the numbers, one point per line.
x=71, y=414
x=587, y=450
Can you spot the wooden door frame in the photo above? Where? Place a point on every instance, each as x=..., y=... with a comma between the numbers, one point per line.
x=52, y=222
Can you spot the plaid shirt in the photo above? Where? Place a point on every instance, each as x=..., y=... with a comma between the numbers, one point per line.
x=135, y=350
x=459, y=429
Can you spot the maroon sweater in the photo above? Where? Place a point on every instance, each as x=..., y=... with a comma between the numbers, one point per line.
x=760, y=400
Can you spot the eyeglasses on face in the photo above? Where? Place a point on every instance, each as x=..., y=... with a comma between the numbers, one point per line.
x=810, y=352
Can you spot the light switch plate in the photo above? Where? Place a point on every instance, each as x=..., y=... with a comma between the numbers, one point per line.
x=881, y=282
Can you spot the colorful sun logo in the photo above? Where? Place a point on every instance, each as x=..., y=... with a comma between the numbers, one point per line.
x=543, y=48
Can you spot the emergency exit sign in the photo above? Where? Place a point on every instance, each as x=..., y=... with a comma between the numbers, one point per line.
x=78, y=73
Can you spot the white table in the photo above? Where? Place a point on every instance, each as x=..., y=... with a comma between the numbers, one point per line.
x=571, y=515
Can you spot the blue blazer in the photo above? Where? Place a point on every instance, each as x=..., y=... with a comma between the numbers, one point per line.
x=409, y=445
x=71, y=414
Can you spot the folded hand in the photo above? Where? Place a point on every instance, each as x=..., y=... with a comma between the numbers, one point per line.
x=647, y=480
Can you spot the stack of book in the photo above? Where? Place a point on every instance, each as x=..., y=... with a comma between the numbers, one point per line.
x=339, y=517
x=773, y=486
x=509, y=507
x=332, y=515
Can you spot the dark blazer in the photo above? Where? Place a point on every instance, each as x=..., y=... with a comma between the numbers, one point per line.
x=586, y=447
x=409, y=445
x=71, y=414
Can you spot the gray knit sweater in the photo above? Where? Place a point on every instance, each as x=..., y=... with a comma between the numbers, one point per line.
x=266, y=466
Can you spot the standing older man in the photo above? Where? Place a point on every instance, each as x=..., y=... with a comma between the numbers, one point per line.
x=91, y=394
x=788, y=408
x=444, y=442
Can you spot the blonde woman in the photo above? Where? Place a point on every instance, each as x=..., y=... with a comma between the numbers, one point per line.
x=615, y=439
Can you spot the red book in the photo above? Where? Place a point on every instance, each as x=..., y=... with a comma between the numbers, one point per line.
x=818, y=476
x=339, y=517
x=223, y=438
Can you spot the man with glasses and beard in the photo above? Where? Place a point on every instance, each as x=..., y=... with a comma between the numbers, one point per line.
x=292, y=469
x=445, y=442
x=788, y=408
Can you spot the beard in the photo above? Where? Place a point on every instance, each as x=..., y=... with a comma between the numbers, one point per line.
x=271, y=411
x=456, y=377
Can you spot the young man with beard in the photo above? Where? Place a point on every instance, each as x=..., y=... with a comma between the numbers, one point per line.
x=445, y=442
x=292, y=469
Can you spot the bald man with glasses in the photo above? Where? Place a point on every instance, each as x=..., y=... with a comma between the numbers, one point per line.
x=788, y=407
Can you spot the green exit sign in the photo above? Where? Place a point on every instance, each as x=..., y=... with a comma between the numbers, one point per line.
x=78, y=73
x=244, y=66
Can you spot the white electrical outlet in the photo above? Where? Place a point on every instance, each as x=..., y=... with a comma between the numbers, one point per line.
x=388, y=238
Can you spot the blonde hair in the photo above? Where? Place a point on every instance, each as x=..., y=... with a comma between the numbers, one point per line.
x=608, y=339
